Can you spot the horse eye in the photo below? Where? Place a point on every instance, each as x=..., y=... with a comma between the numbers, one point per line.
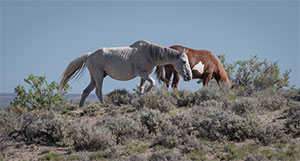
x=184, y=61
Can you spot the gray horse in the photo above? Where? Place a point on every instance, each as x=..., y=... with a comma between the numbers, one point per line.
x=126, y=63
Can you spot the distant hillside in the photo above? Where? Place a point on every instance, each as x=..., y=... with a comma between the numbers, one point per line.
x=5, y=99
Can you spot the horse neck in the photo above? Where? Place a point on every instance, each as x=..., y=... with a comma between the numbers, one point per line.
x=163, y=56
x=164, y=61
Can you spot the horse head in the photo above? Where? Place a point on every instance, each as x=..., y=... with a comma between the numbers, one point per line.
x=182, y=65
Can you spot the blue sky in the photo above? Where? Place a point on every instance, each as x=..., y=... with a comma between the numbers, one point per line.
x=41, y=38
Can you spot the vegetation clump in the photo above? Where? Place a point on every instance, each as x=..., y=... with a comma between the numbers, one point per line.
x=292, y=123
x=93, y=138
x=119, y=97
x=184, y=97
x=253, y=75
x=125, y=128
x=156, y=99
x=41, y=94
x=47, y=128
x=153, y=120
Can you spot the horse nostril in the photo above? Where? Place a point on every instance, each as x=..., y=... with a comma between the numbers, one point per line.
x=186, y=77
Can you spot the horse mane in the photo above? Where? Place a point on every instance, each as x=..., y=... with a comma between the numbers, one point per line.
x=139, y=43
x=157, y=52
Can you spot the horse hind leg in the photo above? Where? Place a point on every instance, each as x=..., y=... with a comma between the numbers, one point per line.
x=98, y=75
x=207, y=79
x=87, y=91
x=99, y=83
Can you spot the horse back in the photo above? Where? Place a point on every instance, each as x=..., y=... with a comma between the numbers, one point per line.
x=195, y=56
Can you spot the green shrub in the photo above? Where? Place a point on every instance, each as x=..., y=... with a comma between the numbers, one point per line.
x=270, y=134
x=294, y=108
x=171, y=137
x=93, y=138
x=295, y=94
x=51, y=156
x=69, y=108
x=225, y=125
x=257, y=104
x=197, y=156
x=292, y=123
x=19, y=110
x=136, y=148
x=91, y=110
x=125, y=128
x=118, y=97
x=211, y=103
x=191, y=144
x=272, y=102
x=47, y=128
x=40, y=94
x=8, y=120
x=100, y=155
x=216, y=124
x=242, y=106
x=253, y=75
x=153, y=120
x=166, y=155
x=291, y=153
x=156, y=99
x=73, y=157
x=234, y=153
x=213, y=92
x=183, y=97
x=132, y=157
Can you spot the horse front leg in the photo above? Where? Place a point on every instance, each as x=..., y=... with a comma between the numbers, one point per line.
x=142, y=86
x=146, y=76
x=152, y=83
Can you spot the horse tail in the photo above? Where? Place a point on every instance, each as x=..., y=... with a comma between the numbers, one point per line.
x=224, y=76
x=75, y=68
x=159, y=74
x=222, y=72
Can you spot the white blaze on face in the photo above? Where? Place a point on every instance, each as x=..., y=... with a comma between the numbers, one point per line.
x=199, y=67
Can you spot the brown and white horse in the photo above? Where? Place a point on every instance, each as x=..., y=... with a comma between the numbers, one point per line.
x=203, y=63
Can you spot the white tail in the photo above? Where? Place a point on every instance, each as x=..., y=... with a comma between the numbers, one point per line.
x=74, y=68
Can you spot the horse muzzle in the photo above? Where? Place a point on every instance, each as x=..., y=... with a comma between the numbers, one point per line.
x=187, y=78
